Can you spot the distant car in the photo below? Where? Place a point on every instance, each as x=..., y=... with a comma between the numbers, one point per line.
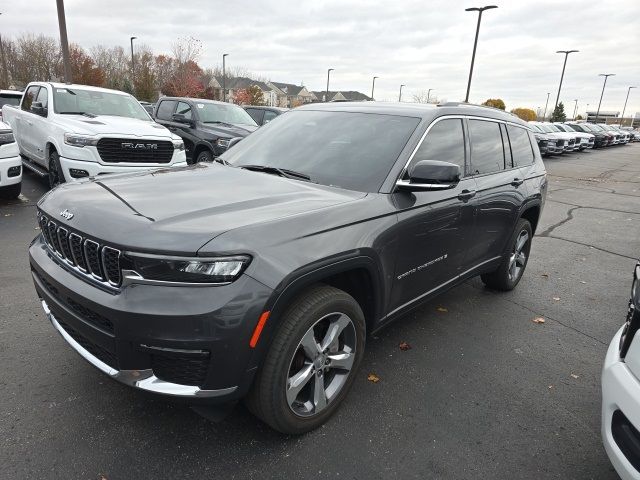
x=10, y=164
x=9, y=97
x=618, y=138
x=263, y=115
x=611, y=138
x=625, y=136
x=621, y=391
x=572, y=139
x=546, y=144
x=562, y=143
x=587, y=140
x=601, y=139
x=148, y=107
x=207, y=127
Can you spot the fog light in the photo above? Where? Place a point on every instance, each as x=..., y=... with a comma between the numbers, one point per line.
x=77, y=173
x=14, y=171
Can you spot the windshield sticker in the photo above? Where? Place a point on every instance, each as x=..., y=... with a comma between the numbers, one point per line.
x=200, y=105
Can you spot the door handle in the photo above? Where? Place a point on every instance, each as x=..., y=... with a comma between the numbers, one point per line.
x=466, y=194
x=517, y=182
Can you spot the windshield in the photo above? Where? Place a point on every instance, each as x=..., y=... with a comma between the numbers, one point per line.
x=214, y=113
x=567, y=128
x=349, y=150
x=547, y=128
x=579, y=128
x=93, y=102
x=594, y=128
x=553, y=128
x=6, y=99
x=536, y=128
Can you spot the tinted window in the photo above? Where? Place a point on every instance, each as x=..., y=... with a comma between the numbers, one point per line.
x=165, y=109
x=29, y=97
x=486, y=147
x=444, y=142
x=268, y=116
x=355, y=151
x=508, y=159
x=43, y=97
x=520, y=146
x=223, y=113
x=184, y=109
x=6, y=99
x=256, y=114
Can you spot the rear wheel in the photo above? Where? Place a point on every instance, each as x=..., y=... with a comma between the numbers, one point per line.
x=11, y=191
x=204, y=156
x=510, y=271
x=55, y=171
x=310, y=365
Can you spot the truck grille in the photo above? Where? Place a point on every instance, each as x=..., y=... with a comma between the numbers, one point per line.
x=118, y=150
x=100, y=262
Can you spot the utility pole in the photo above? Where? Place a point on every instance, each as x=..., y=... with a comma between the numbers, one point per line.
x=544, y=115
x=605, y=75
x=133, y=68
x=625, y=107
x=575, y=109
x=373, y=87
x=429, y=94
x=4, y=63
x=566, y=55
x=224, y=78
x=400, y=96
x=326, y=98
x=475, y=43
x=64, y=42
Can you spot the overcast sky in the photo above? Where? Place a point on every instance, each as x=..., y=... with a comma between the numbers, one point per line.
x=423, y=44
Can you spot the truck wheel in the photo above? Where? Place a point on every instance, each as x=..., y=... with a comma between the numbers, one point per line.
x=510, y=271
x=11, y=191
x=311, y=363
x=55, y=171
x=204, y=156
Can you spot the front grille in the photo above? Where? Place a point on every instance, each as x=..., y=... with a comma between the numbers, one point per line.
x=86, y=256
x=117, y=150
x=94, y=349
x=182, y=368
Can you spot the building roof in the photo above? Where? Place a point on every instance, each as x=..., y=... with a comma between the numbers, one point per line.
x=350, y=95
x=289, y=89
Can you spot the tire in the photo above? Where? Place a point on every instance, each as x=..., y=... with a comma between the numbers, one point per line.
x=56, y=176
x=510, y=271
x=11, y=191
x=303, y=330
x=204, y=156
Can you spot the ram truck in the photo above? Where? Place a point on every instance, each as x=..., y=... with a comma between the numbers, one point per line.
x=67, y=131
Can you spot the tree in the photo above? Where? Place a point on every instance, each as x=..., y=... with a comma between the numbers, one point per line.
x=116, y=65
x=495, y=103
x=558, y=114
x=145, y=79
x=423, y=97
x=185, y=82
x=249, y=96
x=83, y=69
x=579, y=117
x=525, y=114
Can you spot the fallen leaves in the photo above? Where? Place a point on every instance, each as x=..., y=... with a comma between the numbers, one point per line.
x=538, y=320
x=573, y=375
x=373, y=378
x=556, y=298
x=442, y=309
x=404, y=346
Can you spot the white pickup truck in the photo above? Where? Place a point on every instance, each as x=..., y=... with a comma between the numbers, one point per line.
x=69, y=131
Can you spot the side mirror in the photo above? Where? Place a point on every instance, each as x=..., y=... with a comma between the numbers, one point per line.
x=431, y=175
x=38, y=109
x=180, y=118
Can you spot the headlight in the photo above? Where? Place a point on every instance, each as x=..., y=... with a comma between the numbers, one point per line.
x=80, y=140
x=217, y=270
x=6, y=137
x=223, y=142
x=178, y=145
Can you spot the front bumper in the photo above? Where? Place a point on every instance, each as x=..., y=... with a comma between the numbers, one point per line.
x=95, y=168
x=620, y=392
x=180, y=342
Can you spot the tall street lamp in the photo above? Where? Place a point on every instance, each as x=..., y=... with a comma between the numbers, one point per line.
x=224, y=77
x=64, y=43
x=326, y=98
x=400, y=96
x=133, y=68
x=475, y=43
x=4, y=63
x=575, y=109
x=429, y=94
x=544, y=115
x=373, y=86
x=566, y=55
x=605, y=75
x=625, y=106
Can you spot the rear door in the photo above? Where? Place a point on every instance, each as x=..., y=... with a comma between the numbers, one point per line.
x=39, y=128
x=500, y=193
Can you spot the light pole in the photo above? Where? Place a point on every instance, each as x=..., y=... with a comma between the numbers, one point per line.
x=625, y=107
x=475, y=43
x=133, y=68
x=605, y=75
x=373, y=86
x=326, y=98
x=400, y=96
x=544, y=115
x=224, y=77
x=4, y=64
x=575, y=109
x=586, y=112
x=566, y=55
x=64, y=43
x=429, y=94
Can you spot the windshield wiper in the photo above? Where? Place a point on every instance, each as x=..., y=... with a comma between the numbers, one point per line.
x=282, y=172
x=72, y=113
x=221, y=160
x=221, y=123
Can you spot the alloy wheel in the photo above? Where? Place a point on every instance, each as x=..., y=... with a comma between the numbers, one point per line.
x=518, y=258
x=321, y=364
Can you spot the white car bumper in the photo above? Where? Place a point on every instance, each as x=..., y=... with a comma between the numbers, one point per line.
x=94, y=168
x=620, y=391
x=10, y=160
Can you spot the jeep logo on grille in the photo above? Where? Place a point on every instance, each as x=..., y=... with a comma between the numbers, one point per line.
x=66, y=214
x=139, y=146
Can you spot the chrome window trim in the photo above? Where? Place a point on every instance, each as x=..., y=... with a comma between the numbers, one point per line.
x=426, y=186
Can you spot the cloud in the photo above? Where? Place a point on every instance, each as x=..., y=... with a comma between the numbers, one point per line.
x=421, y=44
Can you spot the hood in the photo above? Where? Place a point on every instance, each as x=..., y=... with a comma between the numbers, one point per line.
x=112, y=125
x=229, y=130
x=178, y=210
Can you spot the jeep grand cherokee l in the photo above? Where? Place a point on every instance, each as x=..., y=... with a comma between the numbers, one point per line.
x=259, y=276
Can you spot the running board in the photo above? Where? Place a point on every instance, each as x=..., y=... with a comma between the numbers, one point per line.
x=37, y=169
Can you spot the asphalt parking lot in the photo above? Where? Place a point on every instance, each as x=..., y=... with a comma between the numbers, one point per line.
x=484, y=392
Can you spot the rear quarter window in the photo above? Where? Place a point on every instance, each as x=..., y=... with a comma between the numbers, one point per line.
x=487, y=152
x=521, y=148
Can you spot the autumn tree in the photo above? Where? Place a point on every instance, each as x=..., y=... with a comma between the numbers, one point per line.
x=116, y=65
x=185, y=82
x=83, y=69
x=145, y=79
x=495, y=103
x=525, y=114
x=558, y=114
x=252, y=95
x=31, y=58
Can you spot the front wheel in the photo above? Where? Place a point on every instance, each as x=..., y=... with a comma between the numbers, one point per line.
x=204, y=156
x=56, y=176
x=510, y=271
x=311, y=363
